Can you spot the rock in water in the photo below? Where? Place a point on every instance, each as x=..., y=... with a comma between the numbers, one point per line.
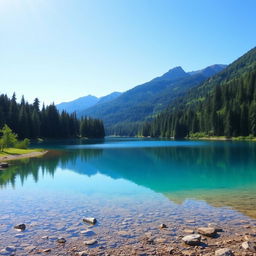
x=194, y=239
x=163, y=226
x=87, y=232
x=211, y=232
x=90, y=242
x=250, y=246
x=90, y=220
x=20, y=227
x=224, y=252
x=84, y=253
x=61, y=240
x=216, y=226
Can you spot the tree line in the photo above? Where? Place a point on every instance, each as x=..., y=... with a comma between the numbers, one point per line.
x=229, y=109
x=29, y=121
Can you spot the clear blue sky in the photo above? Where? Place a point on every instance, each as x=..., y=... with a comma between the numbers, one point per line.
x=59, y=50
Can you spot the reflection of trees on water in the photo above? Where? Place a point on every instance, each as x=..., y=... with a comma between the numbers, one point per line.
x=46, y=165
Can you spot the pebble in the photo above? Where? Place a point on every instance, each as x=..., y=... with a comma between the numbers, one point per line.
x=88, y=232
x=250, y=246
x=163, y=226
x=20, y=227
x=90, y=220
x=61, y=240
x=90, y=242
x=224, y=252
x=211, y=232
x=193, y=239
x=84, y=253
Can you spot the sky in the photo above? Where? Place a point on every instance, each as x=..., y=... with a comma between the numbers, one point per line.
x=60, y=50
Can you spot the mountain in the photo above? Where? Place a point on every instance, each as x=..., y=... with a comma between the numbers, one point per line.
x=122, y=115
x=78, y=104
x=85, y=102
x=224, y=105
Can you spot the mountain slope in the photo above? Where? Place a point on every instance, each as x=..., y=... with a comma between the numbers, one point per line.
x=224, y=105
x=85, y=102
x=146, y=100
x=78, y=104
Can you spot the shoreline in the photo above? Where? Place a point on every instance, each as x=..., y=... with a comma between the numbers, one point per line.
x=22, y=156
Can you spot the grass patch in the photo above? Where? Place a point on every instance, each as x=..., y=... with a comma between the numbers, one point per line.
x=17, y=151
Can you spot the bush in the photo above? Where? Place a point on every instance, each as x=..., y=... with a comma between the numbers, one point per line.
x=22, y=144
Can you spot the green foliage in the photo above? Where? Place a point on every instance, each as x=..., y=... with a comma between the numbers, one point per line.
x=8, y=138
x=22, y=144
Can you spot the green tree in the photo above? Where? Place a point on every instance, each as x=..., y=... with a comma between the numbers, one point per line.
x=8, y=138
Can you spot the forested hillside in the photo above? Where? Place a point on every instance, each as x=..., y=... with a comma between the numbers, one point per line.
x=125, y=114
x=225, y=105
x=29, y=121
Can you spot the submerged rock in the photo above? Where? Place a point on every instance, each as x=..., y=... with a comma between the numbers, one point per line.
x=87, y=232
x=224, y=252
x=211, y=232
x=61, y=240
x=90, y=220
x=90, y=242
x=84, y=253
x=250, y=246
x=20, y=227
x=163, y=226
x=193, y=239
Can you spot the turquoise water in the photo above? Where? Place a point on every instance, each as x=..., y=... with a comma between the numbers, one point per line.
x=122, y=178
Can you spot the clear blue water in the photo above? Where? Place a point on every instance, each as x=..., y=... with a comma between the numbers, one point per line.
x=126, y=178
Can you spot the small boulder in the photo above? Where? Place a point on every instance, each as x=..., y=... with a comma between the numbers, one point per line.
x=224, y=252
x=20, y=227
x=163, y=226
x=211, y=232
x=90, y=242
x=193, y=239
x=91, y=221
x=250, y=246
x=61, y=240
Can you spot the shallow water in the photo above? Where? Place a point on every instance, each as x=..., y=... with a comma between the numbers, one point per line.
x=128, y=185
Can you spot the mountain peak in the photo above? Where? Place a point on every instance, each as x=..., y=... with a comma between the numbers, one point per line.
x=173, y=74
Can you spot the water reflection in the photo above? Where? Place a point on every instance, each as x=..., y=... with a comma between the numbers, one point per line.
x=221, y=173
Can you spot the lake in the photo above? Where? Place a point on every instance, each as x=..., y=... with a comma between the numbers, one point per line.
x=131, y=186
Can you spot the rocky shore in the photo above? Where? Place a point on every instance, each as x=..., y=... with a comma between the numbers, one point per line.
x=164, y=239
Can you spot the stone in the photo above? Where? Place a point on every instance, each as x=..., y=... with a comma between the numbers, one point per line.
x=193, y=239
x=216, y=227
x=47, y=250
x=88, y=232
x=20, y=227
x=84, y=253
x=250, y=246
x=163, y=226
x=224, y=252
x=91, y=221
x=61, y=240
x=211, y=232
x=188, y=231
x=90, y=242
